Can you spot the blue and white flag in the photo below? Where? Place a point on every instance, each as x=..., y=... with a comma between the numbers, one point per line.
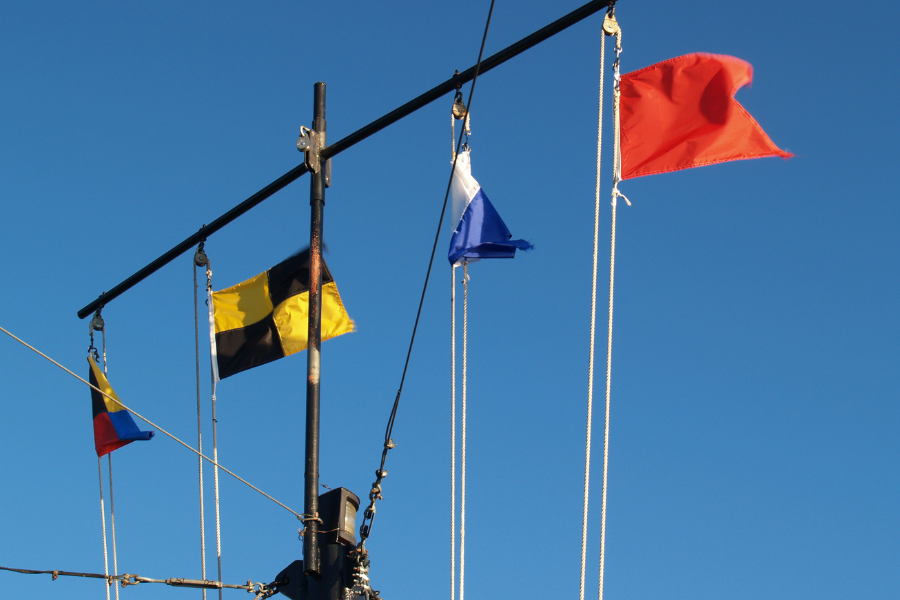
x=480, y=232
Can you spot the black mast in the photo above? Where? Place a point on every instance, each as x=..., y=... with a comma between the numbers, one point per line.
x=313, y=353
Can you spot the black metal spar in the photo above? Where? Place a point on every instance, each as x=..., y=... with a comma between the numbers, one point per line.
x=354, y=138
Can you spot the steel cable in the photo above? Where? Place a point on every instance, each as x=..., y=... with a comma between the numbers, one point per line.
x=369, y=514
x=151, y=424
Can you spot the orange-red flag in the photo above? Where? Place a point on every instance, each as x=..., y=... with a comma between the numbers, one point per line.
x=681, y=113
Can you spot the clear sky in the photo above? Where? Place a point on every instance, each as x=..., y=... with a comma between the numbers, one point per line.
x=754, y=449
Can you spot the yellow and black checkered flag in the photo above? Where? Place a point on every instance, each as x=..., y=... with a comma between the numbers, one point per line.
x=266, y=318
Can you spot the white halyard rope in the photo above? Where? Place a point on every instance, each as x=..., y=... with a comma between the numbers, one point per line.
x=617, y=166
x=462, y=489
x=214, y=378
x=216, y=482
x=590, y=401
x=103, y=522
x=452, y=430
x=112, y=504
x=112, y=518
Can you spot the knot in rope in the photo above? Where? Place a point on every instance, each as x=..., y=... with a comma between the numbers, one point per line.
x=614, y=29
x=305, y=519
x=617, y=194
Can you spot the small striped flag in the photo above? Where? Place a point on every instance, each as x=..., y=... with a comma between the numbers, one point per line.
x=113, y=425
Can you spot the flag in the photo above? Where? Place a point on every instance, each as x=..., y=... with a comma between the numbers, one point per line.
x=266, y=318
x=480, y=232
x=113, y=425
x=681, y=113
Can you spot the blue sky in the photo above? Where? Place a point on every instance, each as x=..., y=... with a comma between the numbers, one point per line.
x=754, y=411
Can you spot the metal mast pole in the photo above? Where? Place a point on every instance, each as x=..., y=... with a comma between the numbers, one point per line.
x=317, y=186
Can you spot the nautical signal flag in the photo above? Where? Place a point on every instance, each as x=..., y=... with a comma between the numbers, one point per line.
x=113, y=425
x=681, y=113
x=267, y=317
x=479, y=231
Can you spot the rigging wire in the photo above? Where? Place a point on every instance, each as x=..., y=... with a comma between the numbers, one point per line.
x=375, y=494
x=590, y=400
x=152, y=424
x=262, y=590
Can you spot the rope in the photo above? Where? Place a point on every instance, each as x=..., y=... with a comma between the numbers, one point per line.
x=112, y=504
x=216, y=478
x=151, y=424
x=112, y=514
x=375, y=494
x=97, y=322
x=199, y=428
x=590, y=401
x=103, y=522
x=612, y=271
x=453, y=433
x=213, y=380
x=462, y=509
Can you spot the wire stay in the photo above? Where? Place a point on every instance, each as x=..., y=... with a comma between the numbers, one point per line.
x=262, y=590
x=381, y=473
x=152, y=424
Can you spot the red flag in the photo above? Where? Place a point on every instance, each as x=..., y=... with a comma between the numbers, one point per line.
x=681, y=113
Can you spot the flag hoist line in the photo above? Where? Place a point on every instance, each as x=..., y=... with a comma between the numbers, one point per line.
x=97, y=324
x=590, y=398
x=460, y=112
x=201, y=260
x=462, y=499
x=610, y=28
x=617, y=177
